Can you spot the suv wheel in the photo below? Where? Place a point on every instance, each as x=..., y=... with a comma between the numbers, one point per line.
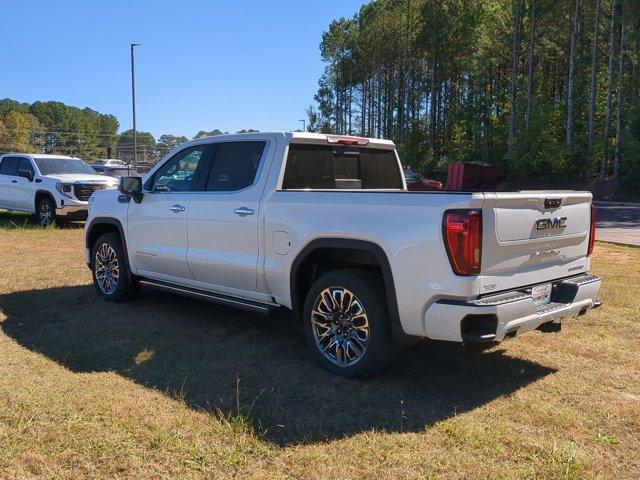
x=45, y=212
x=109, y=268
x=346, y=323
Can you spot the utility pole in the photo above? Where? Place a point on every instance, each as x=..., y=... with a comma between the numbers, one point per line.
x=133, y=104
x=304, y=124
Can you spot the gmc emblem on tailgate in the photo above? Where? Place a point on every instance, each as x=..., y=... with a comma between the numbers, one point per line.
x=549, y=223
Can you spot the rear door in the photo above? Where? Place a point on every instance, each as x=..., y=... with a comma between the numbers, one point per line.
x=533, y=237
x=223, y=219
x=157, y=226
x=9, y=191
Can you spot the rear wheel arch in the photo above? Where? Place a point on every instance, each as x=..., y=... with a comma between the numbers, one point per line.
x=329, y=254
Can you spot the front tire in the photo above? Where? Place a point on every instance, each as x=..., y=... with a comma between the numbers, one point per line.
x=346, y=323
x=45, y=212
x=109, y=268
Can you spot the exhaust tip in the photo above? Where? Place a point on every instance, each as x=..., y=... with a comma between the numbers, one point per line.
x=479, y=328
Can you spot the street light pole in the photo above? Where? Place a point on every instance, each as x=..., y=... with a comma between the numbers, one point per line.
x=133, y=104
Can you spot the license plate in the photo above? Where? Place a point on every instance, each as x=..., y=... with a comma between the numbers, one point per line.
x=541, y=294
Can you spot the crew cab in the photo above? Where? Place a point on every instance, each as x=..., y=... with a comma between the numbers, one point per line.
x=323, y=225
x=49, y=186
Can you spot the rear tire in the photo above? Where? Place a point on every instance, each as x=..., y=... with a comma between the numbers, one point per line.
x=346, y=323
x=110, y=272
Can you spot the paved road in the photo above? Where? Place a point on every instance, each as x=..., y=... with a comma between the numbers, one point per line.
x=619, y=223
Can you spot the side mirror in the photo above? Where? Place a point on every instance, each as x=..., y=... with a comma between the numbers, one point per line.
x=28, y=174
x=131, y=186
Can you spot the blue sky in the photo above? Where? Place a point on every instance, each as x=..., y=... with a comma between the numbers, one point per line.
x=203, y=64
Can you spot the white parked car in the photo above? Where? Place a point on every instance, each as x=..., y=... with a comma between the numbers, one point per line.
x=323, y=225
x=49, y=186
x=111, y=162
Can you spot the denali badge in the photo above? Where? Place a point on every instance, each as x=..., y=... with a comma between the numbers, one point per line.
x=549, y=223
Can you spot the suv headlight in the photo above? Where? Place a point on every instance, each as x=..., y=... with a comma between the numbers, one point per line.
x=90, y=204
x=65, y=189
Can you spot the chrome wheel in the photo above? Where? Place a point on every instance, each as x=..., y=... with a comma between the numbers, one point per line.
x=46, y=213
x=340, y=326
x=107, y=269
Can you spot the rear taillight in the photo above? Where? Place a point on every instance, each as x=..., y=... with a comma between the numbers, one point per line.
x=462, y=230
x=592, y=230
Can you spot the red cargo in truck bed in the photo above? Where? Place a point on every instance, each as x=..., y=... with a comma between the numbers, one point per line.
x=472, y=176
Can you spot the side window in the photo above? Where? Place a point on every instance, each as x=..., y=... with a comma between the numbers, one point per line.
x=179, y=174
x=25, y=164
x=9, y=166
x=234, y=166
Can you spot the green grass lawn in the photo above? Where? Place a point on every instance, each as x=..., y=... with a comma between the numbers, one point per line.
x=168, y=387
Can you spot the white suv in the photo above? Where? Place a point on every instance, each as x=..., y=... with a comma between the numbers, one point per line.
x=49, y=186
x=111, y=162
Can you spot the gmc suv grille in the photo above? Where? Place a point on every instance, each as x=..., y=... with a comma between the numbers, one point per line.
x=84, y=191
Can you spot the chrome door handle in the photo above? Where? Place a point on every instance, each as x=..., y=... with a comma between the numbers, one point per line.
x=176, y=208
x=242, y=211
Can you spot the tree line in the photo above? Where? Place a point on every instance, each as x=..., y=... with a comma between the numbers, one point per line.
x=53, y=127
x=535, y=87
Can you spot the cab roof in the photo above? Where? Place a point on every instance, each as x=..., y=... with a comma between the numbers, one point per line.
x=300, y=137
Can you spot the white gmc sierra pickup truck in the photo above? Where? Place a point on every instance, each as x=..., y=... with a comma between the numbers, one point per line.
x=52, y=187
x=323, y=225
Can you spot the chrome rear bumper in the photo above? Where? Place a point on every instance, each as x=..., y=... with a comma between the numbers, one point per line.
x=507, y=314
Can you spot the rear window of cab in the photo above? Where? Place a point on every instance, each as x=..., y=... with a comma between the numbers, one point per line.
x=337, y=167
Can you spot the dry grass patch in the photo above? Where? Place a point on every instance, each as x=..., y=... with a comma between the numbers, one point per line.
x=165, y=387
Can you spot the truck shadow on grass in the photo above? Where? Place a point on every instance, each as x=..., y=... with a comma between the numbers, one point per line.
x=200, y=351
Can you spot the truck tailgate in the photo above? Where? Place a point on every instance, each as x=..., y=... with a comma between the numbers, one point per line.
x=533, y=237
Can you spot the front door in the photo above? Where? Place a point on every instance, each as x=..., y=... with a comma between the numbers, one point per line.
x=25, y=188
x=223, y=220
x=157, y=226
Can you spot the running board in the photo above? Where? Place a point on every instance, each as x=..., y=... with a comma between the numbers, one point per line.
x=222, y=299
